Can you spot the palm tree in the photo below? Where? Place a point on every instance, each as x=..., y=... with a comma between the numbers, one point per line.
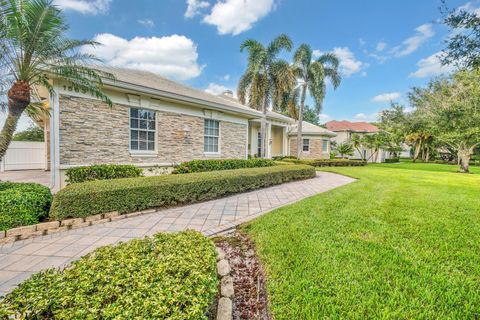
x=311, y=77
x=34, y=50
x=266, y=79
x=344, y=149
x=357, y=142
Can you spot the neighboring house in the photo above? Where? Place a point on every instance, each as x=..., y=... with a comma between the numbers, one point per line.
x=154, y=122
x=315, y=141
x=345, y=130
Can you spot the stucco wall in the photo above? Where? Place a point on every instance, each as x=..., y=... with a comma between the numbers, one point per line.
x=315, y=148
x=277, y=141
x=92, y=132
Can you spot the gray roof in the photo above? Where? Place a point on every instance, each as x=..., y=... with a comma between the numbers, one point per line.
x=163, y=86
x=311, y=129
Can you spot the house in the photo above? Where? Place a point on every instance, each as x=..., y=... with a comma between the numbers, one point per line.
x=344, y=131
x=315, y=141
x=155, y=123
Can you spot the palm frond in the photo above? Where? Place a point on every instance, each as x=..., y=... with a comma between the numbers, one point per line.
x=282, y=42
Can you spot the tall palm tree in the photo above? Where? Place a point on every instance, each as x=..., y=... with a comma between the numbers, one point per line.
x=357, y=143
x=266, y=78
x=35, y=50
x=311, y=75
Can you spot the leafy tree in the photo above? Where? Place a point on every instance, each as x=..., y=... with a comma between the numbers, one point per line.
x=267, y=78
x=309, y=114
x=34, y=50
x=344, y=149
x=452, y=106
x=463, y=47
x=33, y=133
x=312, y=75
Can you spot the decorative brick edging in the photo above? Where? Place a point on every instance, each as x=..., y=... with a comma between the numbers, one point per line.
x=41, y=229
x=225, y=304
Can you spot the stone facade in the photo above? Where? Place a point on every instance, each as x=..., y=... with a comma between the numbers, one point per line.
x=316, y=144
x=92, y=132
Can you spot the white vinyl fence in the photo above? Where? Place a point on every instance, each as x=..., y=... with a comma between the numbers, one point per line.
x=23, y=155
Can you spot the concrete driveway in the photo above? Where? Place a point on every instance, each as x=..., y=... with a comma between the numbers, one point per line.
x=37, y=176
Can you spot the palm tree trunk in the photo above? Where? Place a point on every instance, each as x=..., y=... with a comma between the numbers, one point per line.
x=300, y=121
x=18, y=100
x=417, y=151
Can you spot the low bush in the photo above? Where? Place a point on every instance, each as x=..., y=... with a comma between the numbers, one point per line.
x=133, y=194
x=392, y=160
x=221, y=164
x=280, y=158
x=328, y=162
x=102, y=172
x=167, y=276
x=23, y=204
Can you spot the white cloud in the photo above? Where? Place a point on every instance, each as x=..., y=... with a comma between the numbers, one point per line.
x=172, y=56
x=194, y=7
x=226, y=77
x=386, y=97
x=324, y=117
x=431, y=66
x=362, y=42
x=381, y=46
x=348, y=63
x=424, y=32
x=236, y=16
x=147, y=23
x=216, y=89
x=316, y=53
x=469, y=7
x=366, y=117
x=84, y=6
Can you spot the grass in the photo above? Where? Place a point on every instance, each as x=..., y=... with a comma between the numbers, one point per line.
x=408, y=165
x=402, y=242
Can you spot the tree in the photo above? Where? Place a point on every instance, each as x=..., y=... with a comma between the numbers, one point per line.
x=311, y=77
x=309, y=114
x=267, y=78
x=33, y=133
x=463, y=46
x=375, y=142
x=35, y=50
x=357, y=143
x=452, y=106
x=344, y=149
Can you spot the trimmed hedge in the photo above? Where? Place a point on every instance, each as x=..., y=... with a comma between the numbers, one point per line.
x=393, y=160
x=133, y=194
x=167, y=276
x=102, y=172
x=221, y=164
x=23, y=204
x=328, y=162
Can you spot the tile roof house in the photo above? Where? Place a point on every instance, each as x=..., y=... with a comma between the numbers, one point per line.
x=345, y=129
x=154, y=123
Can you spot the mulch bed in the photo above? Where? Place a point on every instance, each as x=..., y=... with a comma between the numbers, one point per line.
x=250, y=300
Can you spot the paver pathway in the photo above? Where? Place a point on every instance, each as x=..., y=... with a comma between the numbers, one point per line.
x=20, y=259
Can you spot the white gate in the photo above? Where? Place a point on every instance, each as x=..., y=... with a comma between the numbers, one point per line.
x=24, y=155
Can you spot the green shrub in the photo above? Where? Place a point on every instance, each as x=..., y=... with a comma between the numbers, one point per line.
x=167, y=276
x=102, y=172
x=280, y=158
x=133, y=194
x=221, y=164
x=392, y=160
x=329, y=162
x=23, y=204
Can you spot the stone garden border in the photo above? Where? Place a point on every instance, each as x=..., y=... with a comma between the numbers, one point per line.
x=225, y=304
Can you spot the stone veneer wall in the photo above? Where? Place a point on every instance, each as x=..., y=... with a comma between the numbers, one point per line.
x=92, y=132
x=315, y=148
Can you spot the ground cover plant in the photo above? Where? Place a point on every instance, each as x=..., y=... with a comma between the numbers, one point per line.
x=402, y=242
x=167, y=276
x=23, y=204
x=133, y=194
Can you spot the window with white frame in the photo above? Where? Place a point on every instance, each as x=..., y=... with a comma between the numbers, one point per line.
x=211, y=135
x=142, y=130
x=306, y=145
x=325, y=145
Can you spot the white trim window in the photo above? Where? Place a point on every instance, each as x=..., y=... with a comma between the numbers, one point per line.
x=306, y=145
x=325, y=143
x=142, y=130
x=211, y=136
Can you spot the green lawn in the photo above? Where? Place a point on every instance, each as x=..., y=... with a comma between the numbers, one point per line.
x=403, y=242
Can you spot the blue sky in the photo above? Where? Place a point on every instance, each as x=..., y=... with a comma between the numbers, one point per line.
x=385, y=47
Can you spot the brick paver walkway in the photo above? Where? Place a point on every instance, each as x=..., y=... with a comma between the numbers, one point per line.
x=20, y=259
